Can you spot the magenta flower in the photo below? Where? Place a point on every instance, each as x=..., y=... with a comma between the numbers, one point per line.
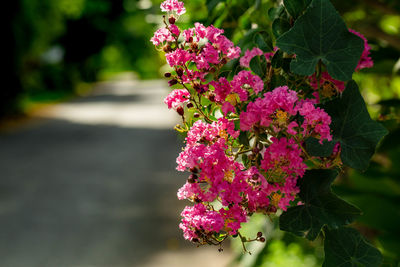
x=173, y=6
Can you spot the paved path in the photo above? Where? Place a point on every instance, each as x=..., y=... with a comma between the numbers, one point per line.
x=92, y=183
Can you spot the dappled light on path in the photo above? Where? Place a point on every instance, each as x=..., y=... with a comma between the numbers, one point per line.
x=93, y=183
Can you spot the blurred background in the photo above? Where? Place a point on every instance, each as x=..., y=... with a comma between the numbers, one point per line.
x=87, y=154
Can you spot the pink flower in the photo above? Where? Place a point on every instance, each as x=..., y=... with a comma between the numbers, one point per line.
x=365, y=60
x=246, y=78
x=174, y=29
x=198, y=219
x=162, y=35
x=178, y=57
x=233, y=52
x=227, y=108
x=200, y=30
x=187, y=34
x=177, y=98
x=173, y=5
x=233, y=217
x=262, y=110
x=222, y=89
x=212, y=34
x=316, y=121
x=283, y=159
x=210, y=54
x=248, y=55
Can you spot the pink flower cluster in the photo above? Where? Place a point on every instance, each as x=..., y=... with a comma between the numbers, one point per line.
x=177, y=98
x=240, y=86
x=255, y=51
x=173, y=6
x=278, y=108
x=217, y=176
x=244, y=145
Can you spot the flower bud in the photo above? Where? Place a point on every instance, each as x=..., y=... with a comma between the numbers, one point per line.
x=167, y=48
x=194, y=46
x=211, y=98
x=196, y=115
x=172, y=19
x=167, y=74
x=259, y=234
x=262, y=239
x=179, y=72
x=180, y=111
x=271, y=209
x=172, y=82
x=189, y=105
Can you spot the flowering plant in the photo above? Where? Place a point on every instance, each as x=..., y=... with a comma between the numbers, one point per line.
x=272, y=133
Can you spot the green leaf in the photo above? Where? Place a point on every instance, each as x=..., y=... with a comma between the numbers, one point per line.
x=320, y=206
x=211, y=4
x=280, y=26
x=346, y=247
x=314, y=148
x=275, y=12
x=263, y=41
x=243, y=138
x=296, y=7
x=353, y=127
x=277, y=60
x=255, y=66
x=321, y=34
x=277, y=80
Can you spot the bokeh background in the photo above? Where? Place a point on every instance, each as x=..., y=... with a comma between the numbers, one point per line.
x=87, y=154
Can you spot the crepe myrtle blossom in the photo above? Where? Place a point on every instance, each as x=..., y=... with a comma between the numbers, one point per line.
x=255, y=51
x=173, y=6
x=244, y=139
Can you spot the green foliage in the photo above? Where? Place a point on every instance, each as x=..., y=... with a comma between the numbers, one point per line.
x=320, y=206
x=346, y=247
x=353, y=127
x=321, y=35
x=258, y=66
x=280, y=26
x=376, y=191
x=296, y=7
x=314, y=148
x=263, y=41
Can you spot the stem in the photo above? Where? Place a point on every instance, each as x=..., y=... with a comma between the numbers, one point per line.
x=244, y=247
x=197, y=106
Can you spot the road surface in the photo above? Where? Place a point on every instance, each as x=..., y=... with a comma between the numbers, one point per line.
x=92, y=183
